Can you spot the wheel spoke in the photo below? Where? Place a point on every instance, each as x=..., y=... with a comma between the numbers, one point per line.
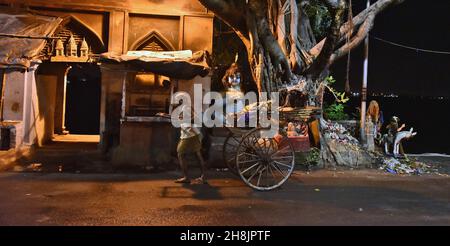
x=271, y=171
x=267, y=175
x=285, y=165
x=257, y=144
x=280, y=150
x=248, y=169
x=253, y=175
x=267, y=148
x=282, y=157
x=259, y=178
x=278, y=169
x=251, y=154
x=249, y=143
x=249, y=161
x=246, y=153
x=236, y=140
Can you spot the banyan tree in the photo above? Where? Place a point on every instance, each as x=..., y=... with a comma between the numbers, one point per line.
x=279, y=37
x=282, y=45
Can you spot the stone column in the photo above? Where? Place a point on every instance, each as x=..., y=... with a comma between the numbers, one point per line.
x=29, y=106
x=61, y=71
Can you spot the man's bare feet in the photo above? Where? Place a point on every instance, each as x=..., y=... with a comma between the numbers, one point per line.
x=183, y=180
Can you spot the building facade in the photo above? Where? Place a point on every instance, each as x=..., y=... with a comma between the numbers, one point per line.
x=66, y=90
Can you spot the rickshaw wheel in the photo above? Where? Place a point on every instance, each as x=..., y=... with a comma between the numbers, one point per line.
x=264, y=163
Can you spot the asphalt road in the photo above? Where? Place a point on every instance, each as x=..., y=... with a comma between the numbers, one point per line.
x=321, y=198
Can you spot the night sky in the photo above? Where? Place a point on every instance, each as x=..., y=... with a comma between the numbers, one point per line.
x=417, y=23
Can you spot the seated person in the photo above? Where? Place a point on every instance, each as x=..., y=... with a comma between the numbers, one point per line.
x=234, y=102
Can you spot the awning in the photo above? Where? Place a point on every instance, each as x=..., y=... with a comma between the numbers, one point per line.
x=163, y=63
x=23, y=36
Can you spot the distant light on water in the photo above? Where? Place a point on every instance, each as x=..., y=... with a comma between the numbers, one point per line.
x=392, y=95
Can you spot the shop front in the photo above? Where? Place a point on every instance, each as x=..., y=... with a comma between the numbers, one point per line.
x=135, y=135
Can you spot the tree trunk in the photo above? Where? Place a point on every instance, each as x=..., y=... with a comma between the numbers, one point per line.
x=281, y=46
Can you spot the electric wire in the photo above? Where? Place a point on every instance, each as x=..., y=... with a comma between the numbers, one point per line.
x=410, y=47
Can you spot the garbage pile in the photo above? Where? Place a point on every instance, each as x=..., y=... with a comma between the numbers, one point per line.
x=342, y=149
x=394, y=166
x=338, y=132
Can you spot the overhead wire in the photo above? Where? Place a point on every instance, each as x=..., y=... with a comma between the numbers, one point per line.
x=410, y=47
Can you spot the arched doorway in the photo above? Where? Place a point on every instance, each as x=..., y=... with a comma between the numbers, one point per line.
x=78, y=91
x=83, y=89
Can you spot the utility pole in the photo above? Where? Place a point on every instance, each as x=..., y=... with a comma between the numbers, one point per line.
x=364, y=88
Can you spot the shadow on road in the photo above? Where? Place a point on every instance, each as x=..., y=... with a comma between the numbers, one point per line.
x=195, y=191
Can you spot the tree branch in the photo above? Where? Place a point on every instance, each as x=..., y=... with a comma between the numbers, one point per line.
x=232, y=12
x=281, y=26
x=267, y=38
x=336, y=8
x=374, y=9
x=305, y=32
x=295, y=59
x=356, y=40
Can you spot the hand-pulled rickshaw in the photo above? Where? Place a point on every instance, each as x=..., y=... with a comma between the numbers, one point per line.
x=265, y=163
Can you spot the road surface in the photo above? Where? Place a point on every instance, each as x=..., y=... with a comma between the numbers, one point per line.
x=365, y=197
